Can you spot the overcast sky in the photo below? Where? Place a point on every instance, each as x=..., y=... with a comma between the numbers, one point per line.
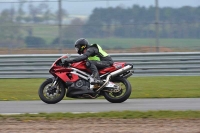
x=85, y=7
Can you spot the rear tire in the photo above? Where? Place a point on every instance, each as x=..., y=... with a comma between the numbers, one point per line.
x=59, y=92
x=122, y=98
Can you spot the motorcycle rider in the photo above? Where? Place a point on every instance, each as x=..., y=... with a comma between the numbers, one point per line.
x=96, y=58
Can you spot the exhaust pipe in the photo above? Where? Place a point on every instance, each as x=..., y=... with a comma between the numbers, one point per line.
x=130, y=73
x=115, y=73
x=122, y=70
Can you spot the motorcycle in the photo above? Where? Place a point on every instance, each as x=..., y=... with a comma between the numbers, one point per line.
x=74, y=81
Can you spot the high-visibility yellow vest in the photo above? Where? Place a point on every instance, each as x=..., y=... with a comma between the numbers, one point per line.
x=102, y=53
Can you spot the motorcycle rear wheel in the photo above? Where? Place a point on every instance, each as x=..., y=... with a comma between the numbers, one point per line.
x=53, y=96
x=123, y=95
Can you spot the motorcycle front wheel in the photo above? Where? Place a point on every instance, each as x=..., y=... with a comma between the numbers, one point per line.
x=51, y=94
x=123, y=94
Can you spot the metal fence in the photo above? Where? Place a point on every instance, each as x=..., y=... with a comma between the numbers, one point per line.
x=145, y=64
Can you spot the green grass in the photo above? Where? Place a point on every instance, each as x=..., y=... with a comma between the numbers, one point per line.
x=20, y=89
x=142, y=87
x=112, y=114
x=47, y=32
x=133, y=42
x=50, y=32
x=165, y=87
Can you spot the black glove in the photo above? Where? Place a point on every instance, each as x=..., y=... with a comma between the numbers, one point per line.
x=67, y=61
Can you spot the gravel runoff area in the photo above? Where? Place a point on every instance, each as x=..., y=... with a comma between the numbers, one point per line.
x=101, y=125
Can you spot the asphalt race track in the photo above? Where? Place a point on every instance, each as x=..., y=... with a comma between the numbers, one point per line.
x=78, y=106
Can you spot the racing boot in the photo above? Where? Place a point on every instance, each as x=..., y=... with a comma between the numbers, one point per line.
x=97, y=81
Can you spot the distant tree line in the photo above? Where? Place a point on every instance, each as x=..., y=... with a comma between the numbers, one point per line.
x=134, y=22
x=14, y=23
x=139, y=22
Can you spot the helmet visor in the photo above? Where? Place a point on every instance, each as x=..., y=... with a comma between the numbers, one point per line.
x=76, y=49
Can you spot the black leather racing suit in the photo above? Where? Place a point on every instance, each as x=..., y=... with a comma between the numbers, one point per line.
x=94, y=65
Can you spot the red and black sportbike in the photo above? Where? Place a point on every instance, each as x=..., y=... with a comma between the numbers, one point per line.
x=74, y=81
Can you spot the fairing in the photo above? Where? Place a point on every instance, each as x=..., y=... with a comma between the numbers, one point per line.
x=64, y=72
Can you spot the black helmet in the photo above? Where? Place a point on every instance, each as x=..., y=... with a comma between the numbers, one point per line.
x=80, y=45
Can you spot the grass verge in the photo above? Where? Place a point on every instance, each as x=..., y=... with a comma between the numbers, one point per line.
x=142, y=87
x=112, y=114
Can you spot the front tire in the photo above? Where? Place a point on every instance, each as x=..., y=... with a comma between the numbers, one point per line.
x=116, y=97
x=51, y=95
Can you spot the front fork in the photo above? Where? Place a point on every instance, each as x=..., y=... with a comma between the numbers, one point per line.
x=55, y=80
x=51, y=92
